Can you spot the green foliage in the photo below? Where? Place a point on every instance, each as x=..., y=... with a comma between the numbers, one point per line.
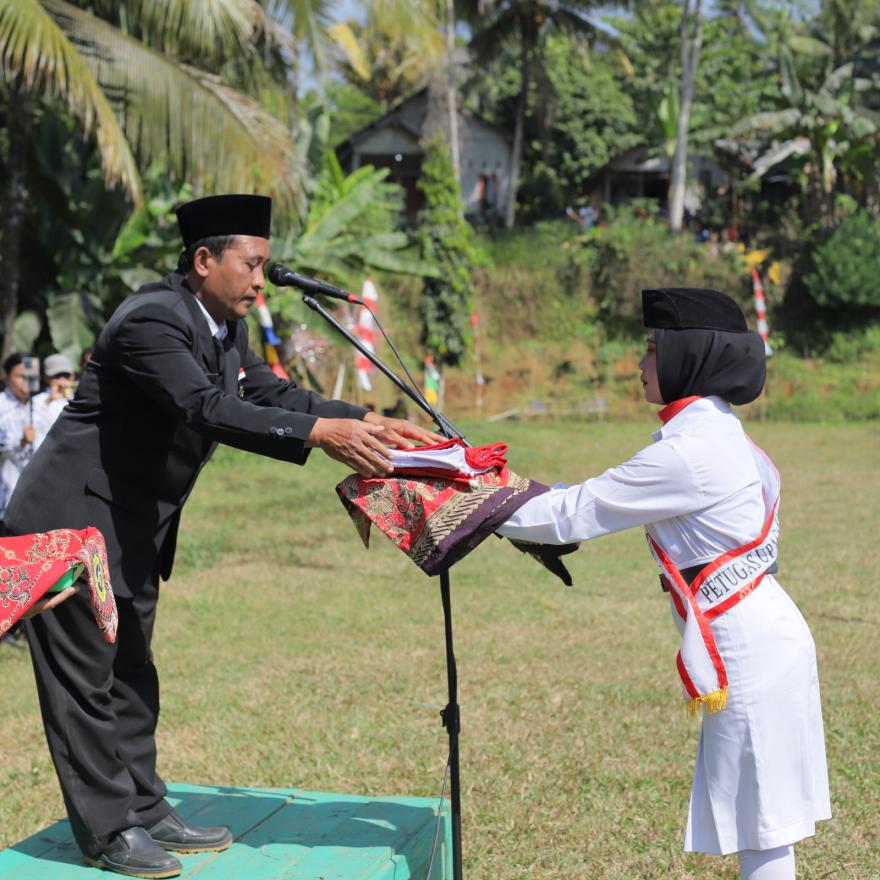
x=392, y=53
x=844, y=276
x=633, y=252
x=72, y=317
x=144, y=78
x=353, y=224
x=349, y=108
x=27, y=329
x=351, y=229
x=540, y=194
x=732, y=79
x=446, y=242
x=580, y=116
x=854, y=346
x=845, y=386
x=592, y=118
x=85, y=248
x=544, y=243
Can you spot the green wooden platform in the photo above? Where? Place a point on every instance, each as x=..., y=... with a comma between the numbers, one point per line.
x=279, y=834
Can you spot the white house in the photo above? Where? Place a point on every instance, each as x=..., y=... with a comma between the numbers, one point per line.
x=392, y=141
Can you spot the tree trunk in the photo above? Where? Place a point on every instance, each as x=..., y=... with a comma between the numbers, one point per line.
x=293, y=87
x=451, y=90
x=18, y=125
x=526, y=37
x=690, y=57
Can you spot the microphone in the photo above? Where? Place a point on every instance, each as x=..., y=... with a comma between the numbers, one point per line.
x=281, y=276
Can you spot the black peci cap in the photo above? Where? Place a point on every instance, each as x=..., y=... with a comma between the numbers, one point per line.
x=225, y=215
x=691, y=308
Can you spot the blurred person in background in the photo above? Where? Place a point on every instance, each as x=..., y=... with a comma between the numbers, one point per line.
x=60, y=386
x=17, y=431
x=17, y=435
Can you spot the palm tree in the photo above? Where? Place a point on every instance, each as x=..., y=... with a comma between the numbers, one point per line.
x=382, y=66
x=136, y=75
x=403, y=46
x=307, y=22
x=524, y=22
x=393, y=52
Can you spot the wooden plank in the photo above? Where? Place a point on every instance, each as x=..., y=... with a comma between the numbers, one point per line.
x=48, y=854
x=280, y=834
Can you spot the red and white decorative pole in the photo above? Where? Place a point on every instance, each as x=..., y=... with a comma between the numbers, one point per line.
x=761, y=311
x=363, y=329
x=271, y=342
x=480, y=381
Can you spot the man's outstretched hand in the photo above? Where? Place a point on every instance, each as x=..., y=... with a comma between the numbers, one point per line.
x=364, y=445
x=355, y=443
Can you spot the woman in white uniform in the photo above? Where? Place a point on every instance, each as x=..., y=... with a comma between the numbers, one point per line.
x=708, y=500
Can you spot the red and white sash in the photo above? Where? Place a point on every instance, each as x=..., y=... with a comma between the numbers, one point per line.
x=719, y=586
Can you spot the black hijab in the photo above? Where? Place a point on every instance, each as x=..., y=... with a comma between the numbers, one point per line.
x=704, y=345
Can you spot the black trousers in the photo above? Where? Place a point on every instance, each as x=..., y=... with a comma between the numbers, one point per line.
x=100, y=706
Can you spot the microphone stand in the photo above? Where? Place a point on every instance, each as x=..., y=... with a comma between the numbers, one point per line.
x=451, y=715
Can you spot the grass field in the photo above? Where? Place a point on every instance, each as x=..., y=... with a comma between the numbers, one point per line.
x=290, y=656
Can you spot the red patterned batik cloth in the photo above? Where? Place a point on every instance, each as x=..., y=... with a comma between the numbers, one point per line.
x=30, y=565
x=436, y=521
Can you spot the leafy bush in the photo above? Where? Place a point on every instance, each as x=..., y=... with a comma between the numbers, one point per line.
x=540, y=194
x=849, y=347
x=631, y=253
x=801, y=390
x=844, y=274
x=544, y=244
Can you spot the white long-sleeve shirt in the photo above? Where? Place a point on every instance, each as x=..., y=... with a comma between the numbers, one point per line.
x=696, y=489
x=761, y=779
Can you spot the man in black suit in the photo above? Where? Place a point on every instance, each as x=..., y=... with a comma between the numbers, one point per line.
x=170, y=376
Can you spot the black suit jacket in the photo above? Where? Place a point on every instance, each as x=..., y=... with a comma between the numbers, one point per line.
x=155, y=399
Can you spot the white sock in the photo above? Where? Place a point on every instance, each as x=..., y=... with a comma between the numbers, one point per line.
x=767, y=864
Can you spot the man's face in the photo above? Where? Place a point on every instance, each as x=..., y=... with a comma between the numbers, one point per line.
x=16, y=382
x=230, y=283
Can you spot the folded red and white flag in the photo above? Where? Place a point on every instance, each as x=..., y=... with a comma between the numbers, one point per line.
x=450, y=460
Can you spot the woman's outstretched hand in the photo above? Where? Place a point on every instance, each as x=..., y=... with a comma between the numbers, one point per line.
x=402, y=433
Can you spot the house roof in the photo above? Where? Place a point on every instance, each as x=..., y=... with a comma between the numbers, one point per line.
x=396, y=117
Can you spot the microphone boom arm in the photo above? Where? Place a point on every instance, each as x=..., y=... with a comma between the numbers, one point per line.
x=451, y=714
x=446, y=427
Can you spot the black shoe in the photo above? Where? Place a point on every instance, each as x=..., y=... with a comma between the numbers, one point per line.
x=134, y=853
x=174, y=834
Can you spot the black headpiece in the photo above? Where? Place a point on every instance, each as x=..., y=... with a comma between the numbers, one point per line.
x=224, y=215
x=704, y=345
x=691, y=308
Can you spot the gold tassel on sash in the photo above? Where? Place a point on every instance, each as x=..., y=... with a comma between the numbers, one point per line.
x=713, y=702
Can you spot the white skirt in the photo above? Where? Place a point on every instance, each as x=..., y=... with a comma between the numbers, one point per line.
x=761, y=779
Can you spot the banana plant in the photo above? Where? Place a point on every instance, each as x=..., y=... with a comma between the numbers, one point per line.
x=351, y=227
x=833, y=118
